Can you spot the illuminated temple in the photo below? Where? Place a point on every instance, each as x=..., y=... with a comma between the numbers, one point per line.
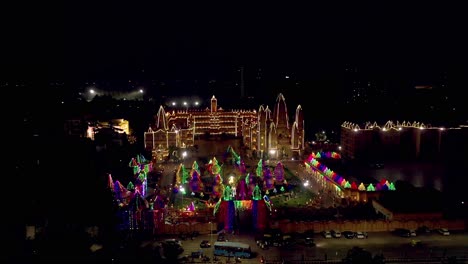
x=264, y=132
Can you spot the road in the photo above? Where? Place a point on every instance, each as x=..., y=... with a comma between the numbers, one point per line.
x=391, y=246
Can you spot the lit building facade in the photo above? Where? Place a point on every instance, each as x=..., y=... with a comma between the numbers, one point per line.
x=262, y=132
x=404, y=140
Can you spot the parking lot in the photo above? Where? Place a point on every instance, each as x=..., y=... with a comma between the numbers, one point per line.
x=390, y=245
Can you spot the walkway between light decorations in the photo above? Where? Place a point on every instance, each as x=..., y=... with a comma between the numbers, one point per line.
x=314, y=167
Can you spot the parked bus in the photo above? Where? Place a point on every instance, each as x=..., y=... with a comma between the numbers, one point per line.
x=232, y=249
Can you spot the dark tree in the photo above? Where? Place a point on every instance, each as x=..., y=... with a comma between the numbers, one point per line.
x=358, y=255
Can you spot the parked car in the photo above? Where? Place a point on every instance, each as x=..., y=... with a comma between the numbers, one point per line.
x=443, y=231
x=205, y=244
x=326, y=234
x=336, y=233
x=402, y=232
x=423, y=230
x=360, y=234
x=309, y=242
x=222, y=238
x=348, y=234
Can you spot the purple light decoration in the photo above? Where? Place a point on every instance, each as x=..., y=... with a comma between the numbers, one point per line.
x=279, y=173
x=242, y=168
x=268, y=179
x=191, y=207
x=339, y=179
x=195, y=182
x=378, y=186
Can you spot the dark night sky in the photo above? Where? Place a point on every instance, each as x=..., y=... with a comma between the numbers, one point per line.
x=78, y=40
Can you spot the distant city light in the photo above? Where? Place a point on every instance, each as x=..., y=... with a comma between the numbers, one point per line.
x=339, y=147
x=185, y=103
x=442, y=128
x=355, y=130
x=184, y=154
x=196, y=103
x=141, y=90
x=173, y=103
x=287, y=76
x=400, y=128
x=92, y=91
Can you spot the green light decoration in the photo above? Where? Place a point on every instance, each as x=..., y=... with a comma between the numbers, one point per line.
x=318, y=156
x=216, y=207
x=215, y=169
x=147, y=169
x=182, y=189
x=391, y=187
x=370, y=188
x=195, y=166
x=259, y=170
x=247, y=179
x=130, y=186
x=256, y=194
x=185, y=175
x=236, y=158
x=135, y=169
x=347, y=185
x=182, y=175
x=142, y=176
x=227, y=194
x=282, y=188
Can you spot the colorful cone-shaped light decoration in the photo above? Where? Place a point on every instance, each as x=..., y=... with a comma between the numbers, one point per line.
x=361, y=187
x=370, y=188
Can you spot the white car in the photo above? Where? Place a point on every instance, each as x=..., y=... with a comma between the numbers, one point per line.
x=336, y=233
x=443, y=231
x=360, y=235
x=326, y=234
